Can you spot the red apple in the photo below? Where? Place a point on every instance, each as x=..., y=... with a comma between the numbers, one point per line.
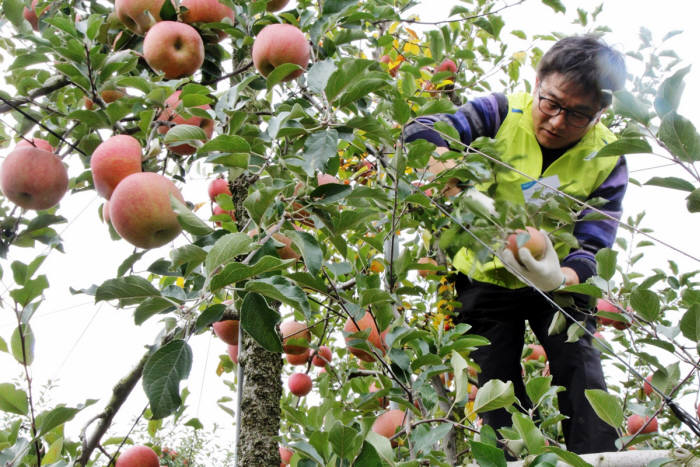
x=218, y=186
x=324, y=179
x=388, y=423
x=112, y=161
x=536, y=243
x=206, y=11
x=232, y=351
x=169, y=114
x=140, y=210
x=635, y=423
x=393, y=70
x=298, y=359
x=277, y=44
x=33, y=178
x=537, y=353
x=425, y=272
x=322, y=357
x=31, y=16
x=299, y=384
x=447, y=65
x=218, y=210
x=174, y=48
x=227, y=331
x=276, y=5
x=295, y=337
x=375, y=338
x=285, y=455
x=647, y=386
x=604, y=305
x=107, y=95
x=138, y=456
x=36, y=143
x=138, y=15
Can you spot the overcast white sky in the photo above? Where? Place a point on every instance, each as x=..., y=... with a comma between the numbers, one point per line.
x=88, y=347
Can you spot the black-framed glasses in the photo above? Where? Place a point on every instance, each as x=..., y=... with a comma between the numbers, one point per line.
x=552, y=108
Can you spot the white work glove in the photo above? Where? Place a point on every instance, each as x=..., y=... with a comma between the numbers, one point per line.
x=545, y=273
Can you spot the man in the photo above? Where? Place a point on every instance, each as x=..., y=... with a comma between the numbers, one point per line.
x=549, y=135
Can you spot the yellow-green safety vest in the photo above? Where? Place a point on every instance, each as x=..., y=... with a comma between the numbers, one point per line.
x=579, y=175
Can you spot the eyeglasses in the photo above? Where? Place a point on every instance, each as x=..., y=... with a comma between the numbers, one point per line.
x=552, y=109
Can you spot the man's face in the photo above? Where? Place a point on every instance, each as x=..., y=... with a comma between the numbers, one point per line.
x=554, y=93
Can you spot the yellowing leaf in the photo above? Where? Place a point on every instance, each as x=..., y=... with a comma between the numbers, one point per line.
x=520, y=56
x=411, y=48
x=393, y=27
x=412, y=33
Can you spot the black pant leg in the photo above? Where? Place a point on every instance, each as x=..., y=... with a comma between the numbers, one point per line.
x=576, y=366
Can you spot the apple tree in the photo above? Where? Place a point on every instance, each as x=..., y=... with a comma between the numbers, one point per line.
x=321, y=215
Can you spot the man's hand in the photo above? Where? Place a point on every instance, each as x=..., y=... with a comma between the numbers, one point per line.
x=545, y=274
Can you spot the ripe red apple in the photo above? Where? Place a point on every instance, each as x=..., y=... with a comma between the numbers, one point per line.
x=140, y=210
x=36, y=143
x=277, y=44
x=227, y=331
x=138, y=456
x=647, y=386
x=635, y=423
x=206, y=11
x=138, y=15
x=447, y=65
x=425, y=272
x=232, y=351
x=299, y=384
x=295, y=337
x=169, y=114
x=33, y=178
x=286, y=455
x=174, y=48
x=536, y=243
x=376, y=339
x=113, y=160
x=323, y=356
x=218, y=186
x=298, y=359
x=107, y=95
x=31, y=16
x=537, y=353
x=389, y=422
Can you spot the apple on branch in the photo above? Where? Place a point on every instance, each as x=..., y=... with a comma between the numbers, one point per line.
x=169, y=115
x=138, y=15
x=138, y=456
x=174, y=48
x=112, y=161
x=277, y=44
x=276, y=5
x=140, y=210
x=32, y=177
x=206, y=11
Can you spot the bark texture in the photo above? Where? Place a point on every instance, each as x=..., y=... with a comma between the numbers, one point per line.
x=260, y=407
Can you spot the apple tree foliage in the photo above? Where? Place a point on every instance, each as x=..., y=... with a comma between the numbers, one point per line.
x=358, y=240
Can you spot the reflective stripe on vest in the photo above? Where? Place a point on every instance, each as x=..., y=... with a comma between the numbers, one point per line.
x=578, y=172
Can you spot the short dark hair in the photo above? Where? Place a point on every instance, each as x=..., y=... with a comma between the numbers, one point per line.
x=587, y=62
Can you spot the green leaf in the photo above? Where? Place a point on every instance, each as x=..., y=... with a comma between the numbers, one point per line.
x=309, y=451
x=236, y=272
x=53, y=454
x=12, y=10
x=191, y=255
x=319, y=148
x=401, y=111
x=3, y=345
x=226, y=144
x=210, y=315
x=281, y=289
x=671, y=182
x=318, y=75
x=257, y=203
x=162, y=375
x=13, y=400
x=627, y=105
x=22, y=343
x=568, y=457
x=530, y=434
x=646, y=303
x=188, y=219
x=149, y=307
x=32, y=289
x=486, y=455
x=47, y=421
x=538, y=387
x=363, y=86
x=382, y=447
x=690, y=323
x=606, y=260
x=129, y=289
x=624, y=146
x=425, y=442
x=181, y=134
x=586, y=289
x=344, y=440
x=606, y=406
x=495, y=394
x=680, y=137
x=280, y=72
x=334, y=7
x=260, y=321
x=668, y=97
x=227, y=249
x=693, y=203
x=309, y=248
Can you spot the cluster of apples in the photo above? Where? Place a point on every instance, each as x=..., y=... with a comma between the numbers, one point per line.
x=33, y=176
x=138, y=203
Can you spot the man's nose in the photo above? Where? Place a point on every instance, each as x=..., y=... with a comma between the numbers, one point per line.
x=559, y=120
